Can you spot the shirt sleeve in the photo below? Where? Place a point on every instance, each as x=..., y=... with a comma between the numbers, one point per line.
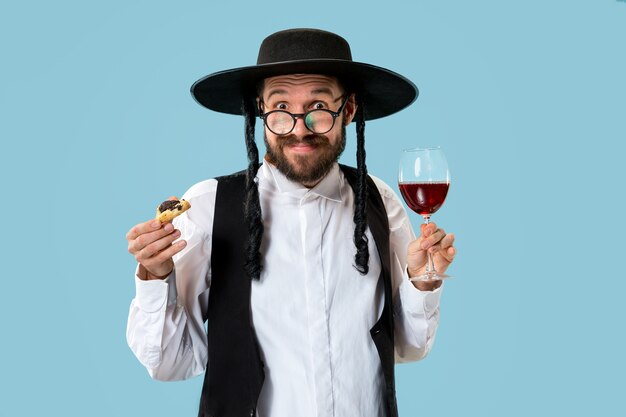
x=416, y=313
x=165, y=327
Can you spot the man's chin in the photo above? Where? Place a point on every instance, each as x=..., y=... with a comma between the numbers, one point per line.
x=305, y=175
x=305, y=172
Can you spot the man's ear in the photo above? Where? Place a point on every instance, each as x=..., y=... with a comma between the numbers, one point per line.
x=349, y=110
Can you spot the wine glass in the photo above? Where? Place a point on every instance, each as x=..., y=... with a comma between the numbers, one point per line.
x=424, y=180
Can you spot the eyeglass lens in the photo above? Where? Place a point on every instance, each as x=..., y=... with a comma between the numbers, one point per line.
x=318, y=121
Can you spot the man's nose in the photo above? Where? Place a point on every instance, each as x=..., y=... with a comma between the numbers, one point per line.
x=300, y=128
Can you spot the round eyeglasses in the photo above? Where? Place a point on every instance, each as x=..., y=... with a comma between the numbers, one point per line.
x=320, y=121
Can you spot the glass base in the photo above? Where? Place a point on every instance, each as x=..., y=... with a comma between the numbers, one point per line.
x=430, y=277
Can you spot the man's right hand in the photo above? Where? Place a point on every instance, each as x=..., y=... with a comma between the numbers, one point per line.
x=151, y=244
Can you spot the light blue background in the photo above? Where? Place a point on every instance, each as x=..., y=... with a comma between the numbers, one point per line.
x=528, y=98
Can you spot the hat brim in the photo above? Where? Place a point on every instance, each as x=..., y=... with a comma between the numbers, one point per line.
x=382, y=92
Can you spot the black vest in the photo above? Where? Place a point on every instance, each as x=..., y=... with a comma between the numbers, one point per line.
x=235, y=372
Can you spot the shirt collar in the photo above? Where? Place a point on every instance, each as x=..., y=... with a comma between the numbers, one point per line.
x=329, y=187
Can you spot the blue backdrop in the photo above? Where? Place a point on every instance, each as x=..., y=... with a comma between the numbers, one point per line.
x=528, y=99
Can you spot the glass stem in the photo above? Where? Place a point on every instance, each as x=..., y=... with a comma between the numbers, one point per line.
x=430, y=265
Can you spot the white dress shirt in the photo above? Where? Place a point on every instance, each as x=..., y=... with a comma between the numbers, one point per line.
x=311, y=309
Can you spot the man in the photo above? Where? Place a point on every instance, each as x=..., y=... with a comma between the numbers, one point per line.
x=297, y=324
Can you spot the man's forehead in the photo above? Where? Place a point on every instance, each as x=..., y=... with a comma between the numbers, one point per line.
x=313, y=83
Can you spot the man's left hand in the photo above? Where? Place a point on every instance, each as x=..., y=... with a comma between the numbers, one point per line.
x=434, y=240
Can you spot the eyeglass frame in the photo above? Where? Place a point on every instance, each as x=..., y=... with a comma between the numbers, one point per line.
x=296, y=116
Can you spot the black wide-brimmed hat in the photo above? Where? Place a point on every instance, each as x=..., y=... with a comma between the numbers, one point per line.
x=307, y=51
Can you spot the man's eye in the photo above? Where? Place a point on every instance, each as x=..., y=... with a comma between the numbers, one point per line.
x=319, y=105
x=281, y=106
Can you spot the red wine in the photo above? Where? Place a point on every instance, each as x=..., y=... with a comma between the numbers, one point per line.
x=424, y=198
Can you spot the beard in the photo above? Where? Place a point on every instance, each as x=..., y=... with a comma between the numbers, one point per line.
x=306, y=169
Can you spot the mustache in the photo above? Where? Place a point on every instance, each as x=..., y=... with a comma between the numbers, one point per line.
x=312, y=139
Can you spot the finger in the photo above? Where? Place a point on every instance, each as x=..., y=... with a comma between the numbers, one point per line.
x=447, y=254
x=433, y=239
x=157, y=246
x=445, y=248
x=428, y=229
x=141, y=228
x=447, y=241
x=145, y=227
x=146, y=239
x=443, y=244
x=444, y=257
x=165, y=254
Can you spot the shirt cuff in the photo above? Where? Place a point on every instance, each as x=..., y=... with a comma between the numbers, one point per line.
x=417, y=301
x=151, y=295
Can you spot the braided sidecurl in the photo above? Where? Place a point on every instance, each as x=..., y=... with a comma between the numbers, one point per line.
x=360, y=213
x=252, y=205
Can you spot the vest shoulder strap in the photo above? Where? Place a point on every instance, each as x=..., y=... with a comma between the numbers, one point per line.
x=382, y=332
x=235, y=372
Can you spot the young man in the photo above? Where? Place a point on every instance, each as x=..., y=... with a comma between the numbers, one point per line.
x=297, y=324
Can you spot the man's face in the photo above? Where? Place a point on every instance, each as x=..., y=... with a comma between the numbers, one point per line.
x=302, y=155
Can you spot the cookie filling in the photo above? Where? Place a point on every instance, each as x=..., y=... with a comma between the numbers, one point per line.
x=170, y=205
